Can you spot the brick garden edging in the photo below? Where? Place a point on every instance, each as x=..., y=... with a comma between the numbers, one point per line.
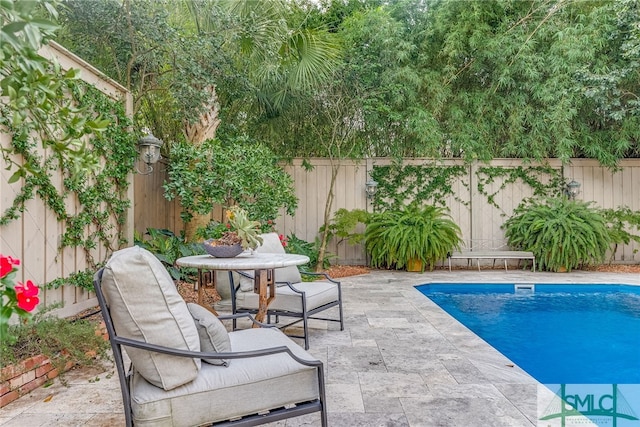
x=21, y=378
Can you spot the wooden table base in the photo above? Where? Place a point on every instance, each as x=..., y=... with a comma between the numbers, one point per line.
x=263, y=281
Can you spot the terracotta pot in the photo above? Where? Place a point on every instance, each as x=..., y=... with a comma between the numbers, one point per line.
x=415, y=265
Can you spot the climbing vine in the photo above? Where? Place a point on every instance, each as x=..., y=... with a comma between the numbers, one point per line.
x=532, y=176
x=400, y=185
x=100, y=213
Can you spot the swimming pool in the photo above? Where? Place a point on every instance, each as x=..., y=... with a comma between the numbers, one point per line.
x=559, y=334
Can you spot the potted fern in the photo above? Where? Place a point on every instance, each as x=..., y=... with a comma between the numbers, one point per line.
x=563, y=234
x=395, y=239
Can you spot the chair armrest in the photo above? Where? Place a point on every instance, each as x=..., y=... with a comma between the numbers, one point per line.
x=325, y=275
x=247, y=315
x=291, y=285
x=128, y=342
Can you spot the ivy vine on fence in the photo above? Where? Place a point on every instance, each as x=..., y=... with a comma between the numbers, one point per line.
x=399, y=185
x=100, y=216
x=543, y=180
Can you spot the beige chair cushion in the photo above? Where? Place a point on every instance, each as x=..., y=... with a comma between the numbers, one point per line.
x=214, y=337
x=316, y=293
x=145, y=305
x=257, y=384
x=271, y=244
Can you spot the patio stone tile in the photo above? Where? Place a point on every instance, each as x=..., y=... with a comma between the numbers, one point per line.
x=42, y=420
x=369, y=420
x=376, y=403
x=462, y=412
x=464, y=371
x=462, y=391
x=365, y=343
x=344, y=398
x=387, y=384
x=386, y=322
x=523, y=396
x=343, y=377
x=355, y=359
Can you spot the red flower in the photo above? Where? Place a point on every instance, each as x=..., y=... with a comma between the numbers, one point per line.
x=27, y=295
x=6, y=264
x=283, y=240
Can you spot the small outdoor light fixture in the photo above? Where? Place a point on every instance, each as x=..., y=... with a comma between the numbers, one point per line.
x=573, y=189
x=149, y=152
x=371, y=187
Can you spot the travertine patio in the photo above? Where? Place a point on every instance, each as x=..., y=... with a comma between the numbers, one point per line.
x=401, y=361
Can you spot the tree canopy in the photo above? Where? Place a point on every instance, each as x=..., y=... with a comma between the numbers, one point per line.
x=473, y=79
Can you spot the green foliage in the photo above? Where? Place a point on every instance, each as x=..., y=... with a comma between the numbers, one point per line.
x=213, y=230
x=528, y=81
x=532, y=176
x=80, y=279
x=168, y=247
x=236, y=172
x=34, y=91
x=298, y=246
x=621, y=223
x=247, y=230
x=399, y=185
x=344, y=223
x=100, y=217
x=50, y=335
x=395, y=237
x=561, y=233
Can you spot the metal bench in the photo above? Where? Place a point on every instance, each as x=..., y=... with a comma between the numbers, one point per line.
x=491, y=249
x=494, y=255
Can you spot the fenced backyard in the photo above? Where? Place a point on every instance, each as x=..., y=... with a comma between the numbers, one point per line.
x=479, y=205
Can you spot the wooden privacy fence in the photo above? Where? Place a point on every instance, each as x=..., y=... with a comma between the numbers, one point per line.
x=34, y=238
x=479, y=206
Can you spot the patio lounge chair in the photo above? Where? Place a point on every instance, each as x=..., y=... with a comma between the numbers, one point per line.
x=294, y=298
x=186, y=369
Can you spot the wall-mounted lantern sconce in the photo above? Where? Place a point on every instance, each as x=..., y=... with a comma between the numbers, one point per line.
x=371, y=187
x=572, y=189
x=149, y=152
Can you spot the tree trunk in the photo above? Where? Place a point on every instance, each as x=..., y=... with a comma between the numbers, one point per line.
x=327, y=216
x=191, y=227
x=196, y=133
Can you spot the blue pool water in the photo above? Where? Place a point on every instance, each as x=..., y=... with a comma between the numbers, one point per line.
x=559, y=334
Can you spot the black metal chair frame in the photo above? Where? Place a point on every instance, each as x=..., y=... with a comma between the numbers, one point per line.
x=302, y=316
x=248, y=420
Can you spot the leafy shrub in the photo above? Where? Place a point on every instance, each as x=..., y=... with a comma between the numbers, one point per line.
x=298, y=246
x=50, y=335
x=344, y=223
x=168, y=247
x=393, y=238
x=620, y=222
x=561, y=233
x=213, y=230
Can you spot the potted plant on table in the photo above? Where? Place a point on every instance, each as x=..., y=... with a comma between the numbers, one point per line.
x=242, y=234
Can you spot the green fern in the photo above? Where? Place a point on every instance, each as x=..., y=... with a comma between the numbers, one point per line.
x=395, y=237
x=561, y=233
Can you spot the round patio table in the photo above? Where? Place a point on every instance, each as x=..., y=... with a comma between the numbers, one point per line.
x=263, y=264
